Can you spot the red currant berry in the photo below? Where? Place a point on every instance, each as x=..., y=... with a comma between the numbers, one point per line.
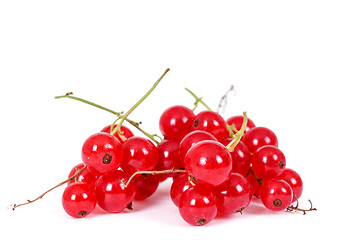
x=294, y=180
x=85, y=176
x=146, y=185
x=238, y=121
x=127, y=133
x=79, y=199
x=102, y=153
x=178, y=186
x=276, y=195
x=191, y=139
x=198, y=206
x=140, y=153
x=268, y=162
x=233, y=195
x=257, y=137
x=209, y=162
x=175, y=122
x=169, y=157
x=112, y=193
x=241, y=157
x=211, y=122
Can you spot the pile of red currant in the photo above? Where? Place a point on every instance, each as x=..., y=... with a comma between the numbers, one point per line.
x=217, y=167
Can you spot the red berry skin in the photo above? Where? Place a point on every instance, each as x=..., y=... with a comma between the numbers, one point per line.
x=85, y=176
x=238, y=121
x=169, y=157
x=268, y=162
x=233, y=195
x=191, y=139
x=294, y=180
x=79, y=199
x=257, y=137
x=140, y=153
x=209, y=162
x=112, y=193
x=178, y=186
x=276, y=195
x=101, y=153
x=241, y=157
x=211, y=122
x=146, y=185
x=198, y=206
x=175, y=122
x=127, y=133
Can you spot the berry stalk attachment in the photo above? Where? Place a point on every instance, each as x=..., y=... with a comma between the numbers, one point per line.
x=198, y=100
x=238, y=135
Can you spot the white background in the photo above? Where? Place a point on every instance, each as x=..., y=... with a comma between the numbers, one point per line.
x=294, y=66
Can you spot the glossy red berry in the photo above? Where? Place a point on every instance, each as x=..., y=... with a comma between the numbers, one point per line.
x=145, y=185
x=241, y=158
x=169, y=157
x=191, y=139
x=237, y=121
x=175, y=122
x=101, y=153
x=112, y=193
x=233, y=195
x=79, y=199
x=211, y=122
x=198, y=206
x=294, y=180
x=257, y=137
x=209, y=161
x=126, y=132
x=85, y=176
x=178, y=186
x=276, y=195
x=268, y=162
x=140, y=153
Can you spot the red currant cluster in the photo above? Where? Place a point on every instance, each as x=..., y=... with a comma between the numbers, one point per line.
x=222, y=175
x=217, y=179
x=217, y=167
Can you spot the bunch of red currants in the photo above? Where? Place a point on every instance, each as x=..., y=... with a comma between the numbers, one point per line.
x=217, y=167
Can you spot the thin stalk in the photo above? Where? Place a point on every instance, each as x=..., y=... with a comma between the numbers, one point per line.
x=118, y=114
x=297, y=209
x=154, y=173
x=90, y=103
x=223, y=100
x=150, y=136
x=77, y=173
x=198, y=100
x=139, y=102
x=237, y=137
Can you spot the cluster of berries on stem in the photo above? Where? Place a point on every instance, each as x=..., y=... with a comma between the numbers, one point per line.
x=217, y=165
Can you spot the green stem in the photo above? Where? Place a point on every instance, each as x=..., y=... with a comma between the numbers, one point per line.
x=90, y=103
x=231, y=146
x=139, y=102
x=118, y=114
x=136, y=125
x=198, y=100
